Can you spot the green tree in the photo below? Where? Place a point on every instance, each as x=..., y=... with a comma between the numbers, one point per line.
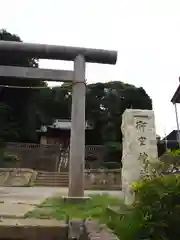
x=21, y=102
x=8, y=129
x=105, y=104
x=53, y=103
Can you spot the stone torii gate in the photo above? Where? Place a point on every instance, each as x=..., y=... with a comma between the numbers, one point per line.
x=80, y=56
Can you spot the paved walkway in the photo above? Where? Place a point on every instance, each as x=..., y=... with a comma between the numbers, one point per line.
x=16, y=201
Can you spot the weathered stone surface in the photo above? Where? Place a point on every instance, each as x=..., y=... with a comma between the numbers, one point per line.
x=58, y=52
x=139, y=143
x=95, y=232
x=15, y=209
x=15, y=176
x=53, y=229
x=3, y=177
x=76, y=229
x=32, y=229
x=77, y=139
x=36, y=73
x=108, y=179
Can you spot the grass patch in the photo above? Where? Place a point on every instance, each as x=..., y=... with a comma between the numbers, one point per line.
x=56, y=208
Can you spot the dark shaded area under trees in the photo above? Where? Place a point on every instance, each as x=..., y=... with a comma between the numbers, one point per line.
x=17, y=106
x=22, y=111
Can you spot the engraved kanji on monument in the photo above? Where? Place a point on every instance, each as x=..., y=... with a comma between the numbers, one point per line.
x=139, y=144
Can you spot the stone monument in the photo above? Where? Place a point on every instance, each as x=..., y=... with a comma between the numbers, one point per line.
x=139, y=144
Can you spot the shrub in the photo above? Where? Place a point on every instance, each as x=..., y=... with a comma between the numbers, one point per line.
x=113, y=153
x=111, y=165
x=174, y=153
x=10, y=158
x=158, y=202
x=128, y=226
x=155, y=168
x=155, y=213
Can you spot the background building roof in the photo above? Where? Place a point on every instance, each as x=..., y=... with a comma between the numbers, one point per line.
x=61, y=124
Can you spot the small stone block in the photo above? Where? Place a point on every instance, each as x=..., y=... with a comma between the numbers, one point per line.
x=32, y=229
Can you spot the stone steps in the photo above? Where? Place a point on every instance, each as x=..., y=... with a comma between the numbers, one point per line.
x=56, y=179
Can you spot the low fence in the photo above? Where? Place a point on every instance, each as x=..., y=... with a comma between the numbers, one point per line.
x=19, y=145
x=89, y=149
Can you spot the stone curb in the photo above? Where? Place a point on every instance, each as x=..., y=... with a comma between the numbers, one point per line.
x=95, y=232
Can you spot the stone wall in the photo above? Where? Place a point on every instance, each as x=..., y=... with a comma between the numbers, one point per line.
x=16, y=177
x=46, y=229
x=46, y=157
x=103, y=179
x=94, y=179
x=35, y=156
x=30, y=229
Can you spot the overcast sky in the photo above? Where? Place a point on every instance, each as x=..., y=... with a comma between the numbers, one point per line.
x=146, y=34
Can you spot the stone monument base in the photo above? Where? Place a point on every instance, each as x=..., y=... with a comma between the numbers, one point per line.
x=75, y=199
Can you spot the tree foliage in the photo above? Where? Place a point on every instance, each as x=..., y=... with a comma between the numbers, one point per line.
x=105, y=104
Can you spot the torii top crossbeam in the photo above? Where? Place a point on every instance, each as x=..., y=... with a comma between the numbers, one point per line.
x=44, y=51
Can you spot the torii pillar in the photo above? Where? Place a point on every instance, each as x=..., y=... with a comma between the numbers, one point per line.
x=77, y=141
